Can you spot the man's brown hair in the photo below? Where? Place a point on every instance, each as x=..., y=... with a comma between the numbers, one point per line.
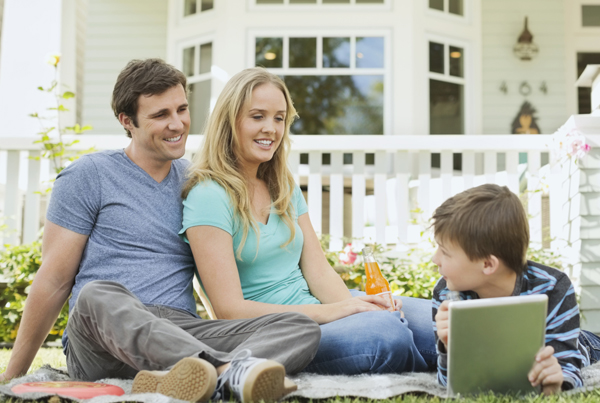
x=143, y=77
x=485, y=220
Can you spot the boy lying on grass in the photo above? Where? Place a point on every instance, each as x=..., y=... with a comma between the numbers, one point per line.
x=482, y=236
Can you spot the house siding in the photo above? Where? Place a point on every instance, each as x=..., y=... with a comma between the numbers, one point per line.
x=502, y=23
x=117, y=31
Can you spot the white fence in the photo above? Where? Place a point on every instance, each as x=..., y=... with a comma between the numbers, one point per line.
x=401, y=179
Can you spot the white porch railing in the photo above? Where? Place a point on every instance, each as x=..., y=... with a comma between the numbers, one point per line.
x=401, y=180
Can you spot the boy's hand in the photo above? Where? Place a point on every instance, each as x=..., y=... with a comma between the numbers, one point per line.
x=546, y=371
x=441, y=322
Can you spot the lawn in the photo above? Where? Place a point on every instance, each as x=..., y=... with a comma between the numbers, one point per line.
x=55, y=357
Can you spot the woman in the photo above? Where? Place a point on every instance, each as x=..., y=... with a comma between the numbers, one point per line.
x=256, y=251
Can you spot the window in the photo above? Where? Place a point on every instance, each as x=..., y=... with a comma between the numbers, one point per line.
x=318, y=2
x=590, y=15
x=336, y=82
x=455, y=7
x=196, y=62
x=191, y=7
x=446, y=92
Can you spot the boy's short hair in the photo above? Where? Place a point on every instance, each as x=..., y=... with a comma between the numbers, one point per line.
x=143, y=77
x=485, y=220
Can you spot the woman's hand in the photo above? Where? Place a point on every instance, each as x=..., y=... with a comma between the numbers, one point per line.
x=351, y=306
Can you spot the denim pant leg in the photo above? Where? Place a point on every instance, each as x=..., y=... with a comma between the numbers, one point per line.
x=591, y=342
x=368, y=342
x=417, y=312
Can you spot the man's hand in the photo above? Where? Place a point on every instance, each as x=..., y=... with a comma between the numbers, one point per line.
x=546, y=371
x=441, y=322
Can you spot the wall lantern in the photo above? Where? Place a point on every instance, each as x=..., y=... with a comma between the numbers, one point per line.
x=525, y=49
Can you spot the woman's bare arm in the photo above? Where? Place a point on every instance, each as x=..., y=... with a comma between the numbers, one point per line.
x=213, y=252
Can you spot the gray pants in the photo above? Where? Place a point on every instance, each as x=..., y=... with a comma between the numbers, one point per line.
x=112, y=334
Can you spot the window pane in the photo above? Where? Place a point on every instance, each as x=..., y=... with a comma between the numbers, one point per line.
x=456, y=61
x=303, y=1
x=206, y=5
x=369, y=52
x=337, y=104
x=336, y=1
x=336, y=52
x=369, y=1
x=590, y=16
x=446, y=108
x=188, y=61
x=269, y=1
x=303, y=52
x=189, y=7
x=269, y=52
x=436, y=57
x=456, y=7
x=205, y=58
x=436, y=4
x=199, y=101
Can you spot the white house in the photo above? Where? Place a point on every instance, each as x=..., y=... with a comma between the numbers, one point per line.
x=379, y=68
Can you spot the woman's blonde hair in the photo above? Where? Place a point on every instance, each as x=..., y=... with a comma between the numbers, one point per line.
x=217, y=157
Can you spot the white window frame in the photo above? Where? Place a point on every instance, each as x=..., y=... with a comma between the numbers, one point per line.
x=577, y=20
x=466, y=81
x=199, y=14
x=196, y=42
x=447, y=15
x=386, y=5
x=386, y=71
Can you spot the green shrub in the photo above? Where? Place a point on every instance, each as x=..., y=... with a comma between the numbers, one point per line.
x=18, y=266
x=413, y=274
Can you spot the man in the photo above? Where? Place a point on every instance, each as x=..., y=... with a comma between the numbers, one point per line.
x=111, y=241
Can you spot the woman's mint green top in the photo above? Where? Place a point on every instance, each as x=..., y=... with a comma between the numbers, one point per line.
x=273, y=275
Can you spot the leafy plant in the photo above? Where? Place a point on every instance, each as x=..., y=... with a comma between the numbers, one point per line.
x=54, y=148
x=18, y=265
x=413, y=274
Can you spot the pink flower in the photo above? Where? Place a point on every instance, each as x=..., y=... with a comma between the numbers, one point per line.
x=348, y=256
x=575, y=145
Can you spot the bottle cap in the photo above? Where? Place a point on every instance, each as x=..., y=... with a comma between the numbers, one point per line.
x=367, y=251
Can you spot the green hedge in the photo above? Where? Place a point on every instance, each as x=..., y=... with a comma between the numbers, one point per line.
x=412, y=275
x=18, y=265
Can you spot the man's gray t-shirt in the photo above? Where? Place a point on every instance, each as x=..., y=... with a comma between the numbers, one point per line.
x=132, y=222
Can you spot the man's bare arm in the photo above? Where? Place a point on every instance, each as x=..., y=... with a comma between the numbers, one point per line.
x=61, y=255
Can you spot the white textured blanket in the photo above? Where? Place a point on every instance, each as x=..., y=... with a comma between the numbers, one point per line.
x=309, y=386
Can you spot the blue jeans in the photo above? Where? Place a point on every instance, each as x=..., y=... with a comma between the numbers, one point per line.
x=591, y=342
x=378, y=342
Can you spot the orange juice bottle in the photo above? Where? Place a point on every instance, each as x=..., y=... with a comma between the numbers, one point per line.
x=376, y=283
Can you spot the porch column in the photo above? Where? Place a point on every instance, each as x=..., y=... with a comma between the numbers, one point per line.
x=589, y=212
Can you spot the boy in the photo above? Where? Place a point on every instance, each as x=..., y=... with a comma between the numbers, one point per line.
x=482, y=236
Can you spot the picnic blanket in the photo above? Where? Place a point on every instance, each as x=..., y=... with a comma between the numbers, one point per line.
x=309, y=386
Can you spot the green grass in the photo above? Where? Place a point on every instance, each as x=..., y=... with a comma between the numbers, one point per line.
x=55, y=358
x=51, y=356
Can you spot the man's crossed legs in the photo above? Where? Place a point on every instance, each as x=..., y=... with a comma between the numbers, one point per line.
x=112, y=334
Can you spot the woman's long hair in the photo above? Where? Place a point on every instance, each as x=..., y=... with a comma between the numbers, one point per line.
x=217, y=158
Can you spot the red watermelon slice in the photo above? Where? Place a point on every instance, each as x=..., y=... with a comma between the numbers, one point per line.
x=78, y=390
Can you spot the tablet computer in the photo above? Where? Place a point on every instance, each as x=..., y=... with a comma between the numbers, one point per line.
x=492, y=343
